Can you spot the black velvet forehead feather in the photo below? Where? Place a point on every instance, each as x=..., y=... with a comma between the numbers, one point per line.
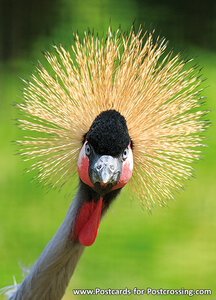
x=108, y=133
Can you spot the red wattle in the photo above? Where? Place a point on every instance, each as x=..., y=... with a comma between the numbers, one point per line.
x=87, y=222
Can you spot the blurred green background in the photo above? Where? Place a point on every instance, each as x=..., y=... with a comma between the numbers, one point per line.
x=173, y=248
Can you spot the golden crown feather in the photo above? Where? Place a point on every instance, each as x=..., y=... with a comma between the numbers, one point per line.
x=157, y=93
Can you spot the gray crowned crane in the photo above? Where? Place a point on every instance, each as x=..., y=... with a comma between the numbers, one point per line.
x=106, y=109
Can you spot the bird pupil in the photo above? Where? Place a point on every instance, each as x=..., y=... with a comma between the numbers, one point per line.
x=125, y=153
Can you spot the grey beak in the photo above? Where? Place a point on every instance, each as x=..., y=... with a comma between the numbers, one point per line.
x=105, y=170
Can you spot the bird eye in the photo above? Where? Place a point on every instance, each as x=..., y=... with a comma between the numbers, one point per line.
x=125, y=153
x=87, y=149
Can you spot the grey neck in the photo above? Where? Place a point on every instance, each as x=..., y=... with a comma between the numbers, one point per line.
x=50, y=275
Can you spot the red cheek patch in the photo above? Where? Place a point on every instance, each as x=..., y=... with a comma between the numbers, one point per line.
x=125, y=176
x=83, y=167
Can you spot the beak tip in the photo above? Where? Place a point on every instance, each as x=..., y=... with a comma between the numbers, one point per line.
x=103, y=184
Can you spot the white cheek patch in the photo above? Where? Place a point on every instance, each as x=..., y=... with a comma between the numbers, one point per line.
x=129, y=160
x=82, y=155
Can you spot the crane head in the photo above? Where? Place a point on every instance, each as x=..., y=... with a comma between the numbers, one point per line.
x=105, y=165
x=105, y=161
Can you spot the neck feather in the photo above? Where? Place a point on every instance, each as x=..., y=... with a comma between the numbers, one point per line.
x=52, y=271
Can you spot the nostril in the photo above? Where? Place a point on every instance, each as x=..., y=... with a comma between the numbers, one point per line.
x=111, y=167
x=99, y=166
